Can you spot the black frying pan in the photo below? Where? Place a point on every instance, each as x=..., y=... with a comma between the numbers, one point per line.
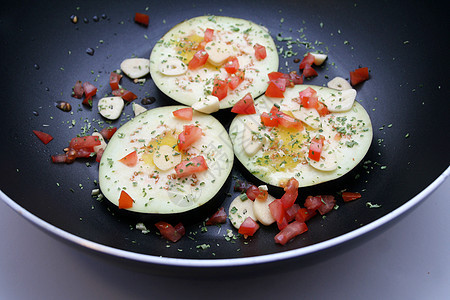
x=43, y=53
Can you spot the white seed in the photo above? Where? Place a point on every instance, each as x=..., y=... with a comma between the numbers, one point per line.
x=166, y=158
x=319, y=58
x=309, y=116
x=341, y=100
x=250, y=142
x=327, y=161
x=135, y=67
x=239, y=211
x=262, y=211
x=339, y=83
x=172, y=66
x=207, y=105
x=110, y=107
x=102, y=142
x=218, y=52
x=138, y=109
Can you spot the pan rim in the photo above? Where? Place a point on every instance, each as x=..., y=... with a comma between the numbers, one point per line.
x=224, y=262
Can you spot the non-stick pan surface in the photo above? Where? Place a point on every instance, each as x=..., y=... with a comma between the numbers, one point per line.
x=43, y=53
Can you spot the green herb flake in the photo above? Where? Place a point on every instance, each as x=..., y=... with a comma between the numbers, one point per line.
x=370, y=205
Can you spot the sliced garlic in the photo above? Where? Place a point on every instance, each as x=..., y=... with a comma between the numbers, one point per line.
x=135, y=67
x=239, y=210
x=309, y=116
x=172, y=66
x=339, y=83
x=207, y=105
x=218, y=52
x=138, y=109
x=319, y=58
x=262, y=212
x=327, y=161
x=250, y=142
x=340, y=101
x=110, y=107
x=263, y=187
x=166, y=158
x=102, y=142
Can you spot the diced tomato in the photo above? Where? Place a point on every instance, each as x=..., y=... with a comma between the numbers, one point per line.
x=307, y=60
x=260, y=51
x=245, y=106
x=198, y=60
x=170, y=232
x=290, y=193
x=232, y=65
x=283, y=223
x=85, y=142
x=180, y=229
x=118, y=92
x=130, y=159
x=191, y=166
x=289, y=232
x=125, y=201
x=209, y=34
x=269, y=120
x=274, y=91
x=295, y=78
x=142, y=19
x=44, y=137
x=59, y=158
x=304, y=214
x=313, y=202
x=291, y=79
x=83, y=152
x=359, y=75
x=201, y=46
x=350, y=196
x=125, y=94
x=219, y=217
x=309, y=98
x=309, y=71
x=277, y=211
x=220, y=88
x=252, y=192
x=280, y=83
x=287, y=121
x=99, y=154
x=322, y=109
x=328, y=202
x=249, y=227
x=89, y=90
x=188, y=136
x=275, y=110
x=77, y=90
x=78, y=147
x=184, y=113
x=262, y=196
x=114, y=80
x=315, y=148
x=234, y=80
x=275, y=75
x=291, y=212
x=68, y=157
x=108, y=132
